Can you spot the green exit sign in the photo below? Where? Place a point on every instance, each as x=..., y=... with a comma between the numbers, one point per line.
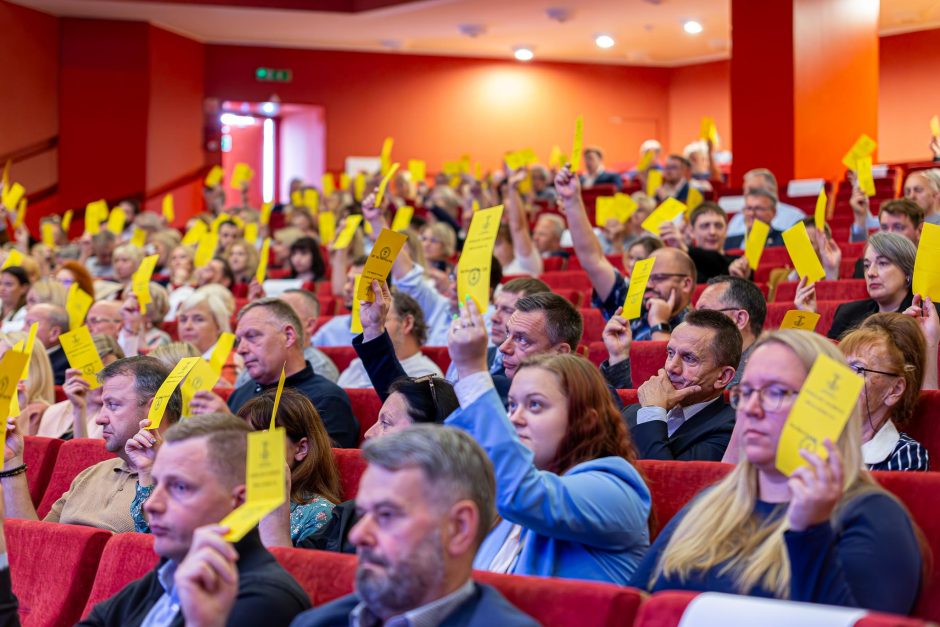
x=272, y=75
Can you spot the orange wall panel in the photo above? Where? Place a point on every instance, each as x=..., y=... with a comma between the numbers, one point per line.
x=437, y=108
x=695, y=91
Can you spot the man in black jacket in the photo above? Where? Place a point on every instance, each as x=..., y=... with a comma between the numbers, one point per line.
x=199, y=477
x=682, y=414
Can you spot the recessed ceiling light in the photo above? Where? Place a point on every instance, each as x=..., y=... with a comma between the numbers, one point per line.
x=604, y=41
x=523, y=54
x=692, y=27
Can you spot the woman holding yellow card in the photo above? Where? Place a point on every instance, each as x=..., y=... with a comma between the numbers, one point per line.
x=826, y=534
x=14, y=285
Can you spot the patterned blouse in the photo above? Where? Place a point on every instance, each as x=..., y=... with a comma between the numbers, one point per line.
x=305, y=519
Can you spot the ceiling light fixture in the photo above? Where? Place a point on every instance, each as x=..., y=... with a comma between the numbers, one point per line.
x=604, y=41
x=692, y=27
x=523, y=53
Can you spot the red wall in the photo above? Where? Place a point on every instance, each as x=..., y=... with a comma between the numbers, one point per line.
x=29, y=46
x=696, y=91
x=438, y=107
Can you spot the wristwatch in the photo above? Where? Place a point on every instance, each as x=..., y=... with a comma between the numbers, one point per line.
x=663, y=327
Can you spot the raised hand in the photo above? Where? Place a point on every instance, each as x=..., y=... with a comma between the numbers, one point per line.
x=206, y=580
x=815, y=490
x=142, y=450
x=670, y=235
x=805, y=299
x=617, y=337
x=516, y=177
x=567, y=184
x=659, y=311
x=740, y=268
x=829, y=254
x=467, y=341
x=924, y=312
x=76, y=388
x=859, y=203
x=658, y=391
x=131, y=316
x=205, y=402
x=13, y=449
x=374, y=314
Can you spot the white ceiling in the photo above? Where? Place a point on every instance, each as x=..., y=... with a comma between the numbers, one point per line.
x=647, y=32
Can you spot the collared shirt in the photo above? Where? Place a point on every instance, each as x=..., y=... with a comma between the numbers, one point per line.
x=335, y=332
x=167, y=606
x=618, y=294
x=648, y=414
x=321, y=364
x=100, y=496
x=890, y=450
x=430, y=615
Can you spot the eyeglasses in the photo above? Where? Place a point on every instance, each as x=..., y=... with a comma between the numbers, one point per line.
x=95, y=320
x=862, y=370
x=429, y=378
x=659, y=277
x=770, y=398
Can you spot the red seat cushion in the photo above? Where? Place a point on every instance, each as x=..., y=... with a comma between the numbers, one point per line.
x=575, y=280
x=594, y=324
x=924, y=426
x=74, y=457
x=340, y=355
x=366, y=406
x=646, y=358
x=673, y=484
x=126, y=558
x=324, y=576
x=39, y=455
x=439, y=355
x=52, y=567
x=843, y=289
x=351, y=465
x=826, y=308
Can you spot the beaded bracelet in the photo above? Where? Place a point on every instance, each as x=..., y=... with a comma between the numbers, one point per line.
x=12, y=472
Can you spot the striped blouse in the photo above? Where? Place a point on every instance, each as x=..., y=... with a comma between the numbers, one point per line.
x=892, y=450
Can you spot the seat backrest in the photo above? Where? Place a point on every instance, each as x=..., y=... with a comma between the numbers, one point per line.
x=439, y=355
x=924, y=426
x=340, y=355
x=594, y=324
x=843, y=289
x=568, y=279
x=74, y=456
x=646, y=358
x=366, y=406
x=351, y=465
x=126, y=558
x=628, y=397
x=324, y=575
x=39, y=455
x=915, y=490
x=52, y=567
x=777, y=310
x=673, y=484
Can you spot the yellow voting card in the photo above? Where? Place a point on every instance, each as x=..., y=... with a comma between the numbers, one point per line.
x=668, y=211
x=311, y=200
x=800, y=320
x=265, y=480
x=242, y=175
x=77, y=303
x=866, y=180
x=380, y=192
x=935, y=126
x=221, y=351
x=385, y=159
x=624, y=206
x=359, y=186
x=202, y=378
x=380, y=261
x=263, y=256
x=418, y=170
x=194, y=235
x=251, y=232
x=139, y=238
x=822, y=204
x=344, y=239
x=556, y=158
x=12, y=196
x=140, y=282
x=804, y=258
x=48, y=234
x=604, y=210
x=20, y=213
x=93, y=216
x=756, y=240
x=159, y=402
x=863, y=147
x=633, y=304
x=277, y=394
x=218, y=220
x=167, y=209
x=646, y=161
x=927, y=264
x=214, y=177
x=355, y=322
x=402, y=219
x=67, y=222
x=654, y=180
x=473, y=267
x=577, y=146
x=694, y=199
x=327, y=184
x=820, y=412
x=327, y=225
x=30, y=343
x=116, y=221
x=11, y=366
x=82, y=355
x=14, y=258
x=344, y=181
x=205, y=251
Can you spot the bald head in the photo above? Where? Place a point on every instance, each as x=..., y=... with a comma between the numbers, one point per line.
x=307, y=307
x=104, y=318
x=675, y=271
x=51, y=321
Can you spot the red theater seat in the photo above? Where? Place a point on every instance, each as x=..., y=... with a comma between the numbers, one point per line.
x=340, y=355
x=646, y=358
x=673, y=484
x=627, y=397
x=925, y=424
x=74, y=457
x=554, y=264
x=573, y=280
x=126, y=558
x=594, y=324
x=439, y=355
x=59, y=393
x=39, y=455
x=844, y=290
x=223, y=393
x=351, y=466
x=324, y=575
x=826, y=308
x=366, y=406
x=321, y=320
x=52, y=567
x=575, y=297
x=170, y=327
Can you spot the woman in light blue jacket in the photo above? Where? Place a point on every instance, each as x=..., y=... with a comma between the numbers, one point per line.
x=570, y=501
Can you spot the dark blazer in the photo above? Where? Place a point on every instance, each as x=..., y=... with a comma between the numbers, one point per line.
x=487, y=607
x=59, y=363
x=607, y=178
x=703, y=437
x=850, y=315
x=774, y=238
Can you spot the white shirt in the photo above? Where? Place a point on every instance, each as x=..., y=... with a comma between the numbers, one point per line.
x=335, y=332
x=531, y=265
x=418, y=365
x=881, y=446
x=787, y=215
x=648, y=414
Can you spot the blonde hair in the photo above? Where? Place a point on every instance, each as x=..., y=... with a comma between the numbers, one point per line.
x=253, y=256
x=49, y=291
x=130, y=251
x=219, y=291
x=720, y=530
x=39, y=380
x=170, y=354
x=159, y=305
x=216, y=305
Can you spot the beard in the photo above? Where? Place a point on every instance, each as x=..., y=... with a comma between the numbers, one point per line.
x=401, y=586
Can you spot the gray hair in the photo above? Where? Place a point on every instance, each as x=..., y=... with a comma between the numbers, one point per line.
x=405, y=305
x=107, y=345
x=149, y=374
x=215, y=304
x=226, y=443
x=281, y=311
x=453, y=464
x=58, y=316
x=895, y=248
x=312, y=300
x=557, y=222
x=763, y=193
x=770, y=181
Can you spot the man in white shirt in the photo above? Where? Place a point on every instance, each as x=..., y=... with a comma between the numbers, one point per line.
x=408, y=331
x=336, y=332
x=764, y=179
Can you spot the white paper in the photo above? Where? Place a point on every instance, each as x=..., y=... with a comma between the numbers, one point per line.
x=731, y=610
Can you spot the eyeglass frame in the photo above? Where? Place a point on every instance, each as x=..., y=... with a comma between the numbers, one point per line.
x=662, y=276
x=429, y=378
x=736, y=396
x=862, y=370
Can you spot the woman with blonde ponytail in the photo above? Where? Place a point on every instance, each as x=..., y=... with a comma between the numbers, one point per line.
x=826, y=534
